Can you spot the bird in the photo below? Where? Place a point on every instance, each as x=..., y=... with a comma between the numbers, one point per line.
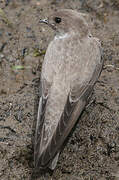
x=72, y=64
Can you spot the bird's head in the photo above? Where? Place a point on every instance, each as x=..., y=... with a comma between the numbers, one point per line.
x=67, y=21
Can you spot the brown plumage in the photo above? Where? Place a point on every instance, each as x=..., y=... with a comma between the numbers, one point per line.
x=71, y=67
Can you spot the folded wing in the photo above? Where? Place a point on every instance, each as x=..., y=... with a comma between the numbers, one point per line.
x=74, y=105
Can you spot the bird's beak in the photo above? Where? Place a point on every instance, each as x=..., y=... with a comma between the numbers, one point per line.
x=48, y=23
x=44, y=21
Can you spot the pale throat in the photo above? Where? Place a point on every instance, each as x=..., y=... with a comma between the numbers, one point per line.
x=61, y=35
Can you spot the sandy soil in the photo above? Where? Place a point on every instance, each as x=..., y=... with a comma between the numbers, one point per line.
x=92, y=149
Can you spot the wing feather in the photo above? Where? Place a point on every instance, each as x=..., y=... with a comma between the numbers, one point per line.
x=45, y=86
x=76, y=102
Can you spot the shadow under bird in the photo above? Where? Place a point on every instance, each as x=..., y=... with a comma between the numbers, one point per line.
x=71, y=67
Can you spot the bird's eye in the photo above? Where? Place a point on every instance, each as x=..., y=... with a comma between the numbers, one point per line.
x=57, y=19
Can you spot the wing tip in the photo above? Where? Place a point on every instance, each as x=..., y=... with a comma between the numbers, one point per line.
x=45, y=161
